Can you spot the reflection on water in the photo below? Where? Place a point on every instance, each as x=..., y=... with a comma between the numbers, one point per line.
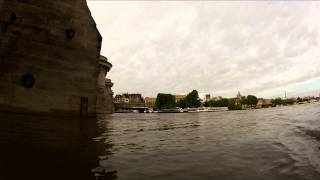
x=277, y=143
x=43, y=147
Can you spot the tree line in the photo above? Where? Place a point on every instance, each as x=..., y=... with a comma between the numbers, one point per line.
x=169, y=100
x=192, y=100
x=279, y=101
x=233, y=103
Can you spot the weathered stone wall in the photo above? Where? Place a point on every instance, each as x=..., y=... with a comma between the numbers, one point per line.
x=57, y=43
x=49, y=53
x=104, y=94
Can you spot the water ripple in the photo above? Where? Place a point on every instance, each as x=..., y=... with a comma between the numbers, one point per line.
x=277, y=143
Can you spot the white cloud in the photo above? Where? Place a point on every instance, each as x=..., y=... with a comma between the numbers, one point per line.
x=259, y=48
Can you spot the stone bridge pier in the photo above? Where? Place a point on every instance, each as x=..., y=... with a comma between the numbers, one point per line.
x=50, y=59
x=105, y=94
x=52, y=85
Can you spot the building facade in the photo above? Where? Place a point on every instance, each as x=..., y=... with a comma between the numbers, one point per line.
x=150, y=102
x=123, y=101
x=180, y=97
x=207, y=97
x=264, y=103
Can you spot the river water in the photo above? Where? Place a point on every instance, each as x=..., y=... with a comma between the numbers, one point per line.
x=276, y=143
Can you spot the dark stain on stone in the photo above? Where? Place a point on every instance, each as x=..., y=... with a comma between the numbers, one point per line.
x=70, y=33
x=28, y=80
x=13, y=18
x=24, y=1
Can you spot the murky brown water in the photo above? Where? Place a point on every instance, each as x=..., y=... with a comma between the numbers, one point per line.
x=267, y=144
x=47, y=148
x=277, y=143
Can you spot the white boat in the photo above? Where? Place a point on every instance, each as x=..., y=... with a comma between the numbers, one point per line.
x=207, y=109
x=216, y=109
x=192, y=110
x=171, y=110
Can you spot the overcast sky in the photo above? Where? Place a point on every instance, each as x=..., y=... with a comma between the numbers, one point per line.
x=260, y=48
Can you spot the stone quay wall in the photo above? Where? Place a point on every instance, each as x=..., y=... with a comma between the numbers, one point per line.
x=49, y=53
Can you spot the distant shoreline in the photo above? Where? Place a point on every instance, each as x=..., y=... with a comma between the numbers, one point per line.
x=203, y=109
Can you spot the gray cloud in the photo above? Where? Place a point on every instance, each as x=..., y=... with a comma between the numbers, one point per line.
x=221, y=47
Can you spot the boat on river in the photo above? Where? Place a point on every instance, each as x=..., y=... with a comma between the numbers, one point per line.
x=171, y=110
x=206, y=109
x=193, y=110
x=214, y=109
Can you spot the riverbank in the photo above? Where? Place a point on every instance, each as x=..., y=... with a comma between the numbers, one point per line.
x=204, y=109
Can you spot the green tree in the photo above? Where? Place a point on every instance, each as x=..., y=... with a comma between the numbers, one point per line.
x=243, y=100
x=165, y=101
x=223, y=102
x=192, y=99
x=299, y=99
x=232, y=105
x=277, y=101
x=288, y=102
x=206, y=104
x=181, y=103
x=252, y=100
